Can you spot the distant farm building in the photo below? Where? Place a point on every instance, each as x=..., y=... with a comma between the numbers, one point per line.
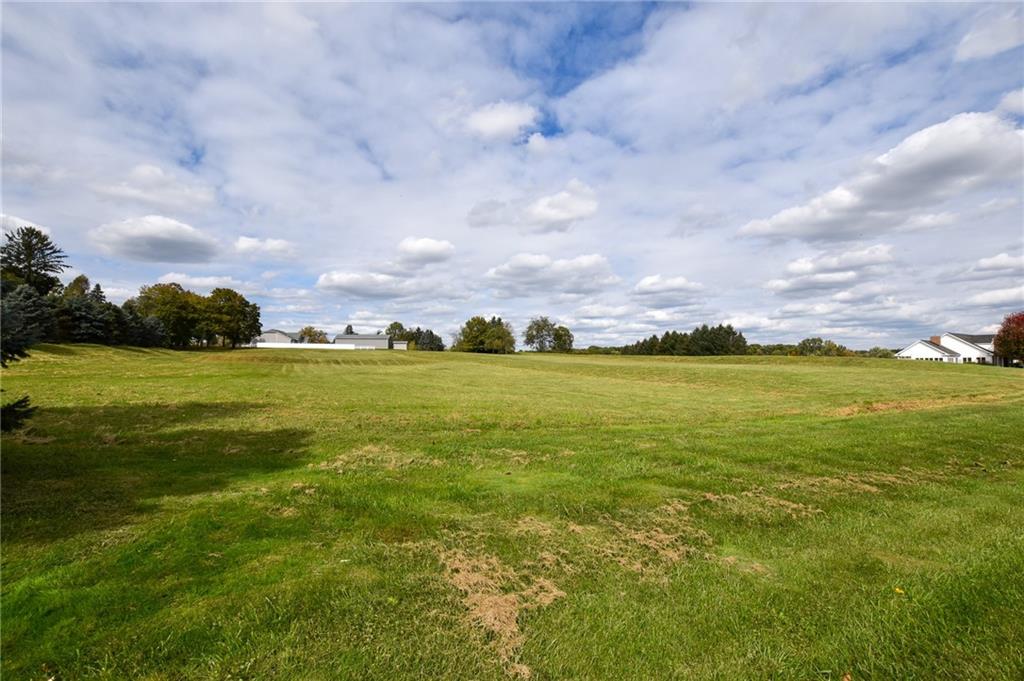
x=358, y=341
x=954, y=348
x=275, y=338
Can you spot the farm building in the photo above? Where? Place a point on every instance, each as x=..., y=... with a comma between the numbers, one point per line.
x=276, y=336
x=955, y=348
x=399, y=345
x=358, y=341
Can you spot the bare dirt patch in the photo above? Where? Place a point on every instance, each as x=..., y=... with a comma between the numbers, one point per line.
x=515, y=457
x=531, y=525
x=494, y=596
x=376, y=456
x=303, y=488
x=870, y=482
x=757, y=505
x=665, y=535
x=912, y=405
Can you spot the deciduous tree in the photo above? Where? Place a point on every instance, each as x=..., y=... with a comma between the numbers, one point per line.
x=231, y=317
x=177, y=309
x=1009, y=340
x=310, y=334
x=540, y=334
x=493, y=336
x=562, y=341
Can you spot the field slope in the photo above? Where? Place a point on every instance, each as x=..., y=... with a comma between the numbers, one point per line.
x=326, y=515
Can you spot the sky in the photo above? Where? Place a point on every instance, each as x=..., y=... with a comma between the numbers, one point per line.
x=851, y=171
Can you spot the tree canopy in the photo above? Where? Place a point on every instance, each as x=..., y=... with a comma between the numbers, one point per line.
x=1009, y=340
x=229, y=316
x=28, y=256
x=492, y=336
x=311, y=334
x=543, y=335
x=418, y=338
x=703, y=340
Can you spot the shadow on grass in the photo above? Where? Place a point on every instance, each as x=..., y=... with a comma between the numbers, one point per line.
x=91, y=468
x=54, y=349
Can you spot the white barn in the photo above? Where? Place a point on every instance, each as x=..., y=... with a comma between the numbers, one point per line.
x=954, y=348
x=276, y=336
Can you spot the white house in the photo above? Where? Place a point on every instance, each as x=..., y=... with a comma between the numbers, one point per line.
x=973, y=348
x=928, y=351
x=956, y=348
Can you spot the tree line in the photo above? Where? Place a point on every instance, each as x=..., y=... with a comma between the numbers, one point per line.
x=41, y=309
x=703, y=340
x=418, y=338
x=496, y=336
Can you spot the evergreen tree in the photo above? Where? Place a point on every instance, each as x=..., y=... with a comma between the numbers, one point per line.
x=28, y=256
x=36, y=311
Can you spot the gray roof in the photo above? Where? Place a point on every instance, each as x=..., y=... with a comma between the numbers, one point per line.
x=294, y=335
x=941, y=348
x=361, y=336
x=975, y=338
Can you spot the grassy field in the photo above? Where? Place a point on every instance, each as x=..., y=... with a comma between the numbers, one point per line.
x=327, y=515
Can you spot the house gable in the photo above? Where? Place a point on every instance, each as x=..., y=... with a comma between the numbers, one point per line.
x=969, y=351
x=926, y=350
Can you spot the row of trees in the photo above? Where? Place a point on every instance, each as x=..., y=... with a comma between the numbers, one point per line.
x=43, y=310
x=703, y=340
x=817, y=347
x=419, y=339
x=496, y=336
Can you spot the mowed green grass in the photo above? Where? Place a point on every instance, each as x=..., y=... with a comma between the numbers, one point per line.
x=329, y=515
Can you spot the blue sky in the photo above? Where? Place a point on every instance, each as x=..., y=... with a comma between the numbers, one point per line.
x=851, y=171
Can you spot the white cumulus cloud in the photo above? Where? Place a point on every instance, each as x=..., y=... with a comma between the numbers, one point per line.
x=999, y=297
x=556, y=213
x=532, y=274
x=362, y=284
x=154, y=238
x=968, y=152
x=501, y=120
x=424, y=250
x=277, y=248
